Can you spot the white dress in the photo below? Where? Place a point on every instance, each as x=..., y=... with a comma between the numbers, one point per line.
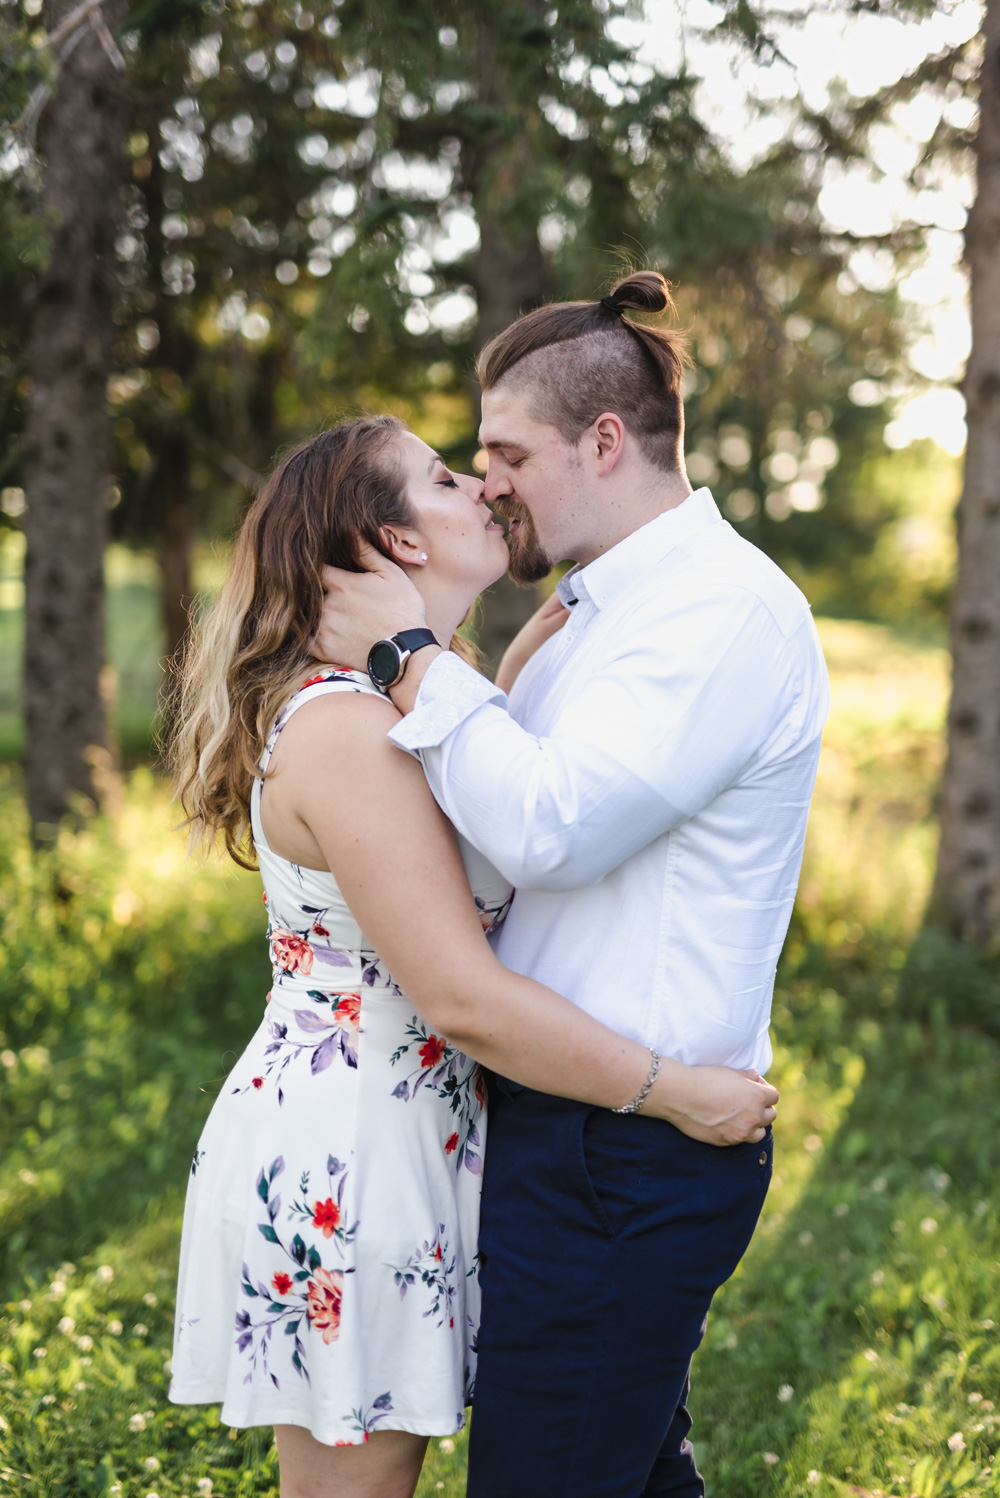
x=329, y=1270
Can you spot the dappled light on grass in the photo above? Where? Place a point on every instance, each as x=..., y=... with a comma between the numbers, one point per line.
x=856, y=1350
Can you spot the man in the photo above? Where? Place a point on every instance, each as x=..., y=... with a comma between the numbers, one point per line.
x=646, y=791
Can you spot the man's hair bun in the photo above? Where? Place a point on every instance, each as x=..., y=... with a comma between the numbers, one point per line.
x=642, y=291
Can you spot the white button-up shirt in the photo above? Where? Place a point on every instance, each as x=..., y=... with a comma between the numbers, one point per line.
x=647, y=791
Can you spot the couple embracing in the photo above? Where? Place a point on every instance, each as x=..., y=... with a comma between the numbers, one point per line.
x=578, y=879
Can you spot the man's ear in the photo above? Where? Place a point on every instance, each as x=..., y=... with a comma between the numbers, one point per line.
x=606, y=438
x=403, y=545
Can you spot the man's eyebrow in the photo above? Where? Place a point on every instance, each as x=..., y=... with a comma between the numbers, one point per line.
x=496, y=443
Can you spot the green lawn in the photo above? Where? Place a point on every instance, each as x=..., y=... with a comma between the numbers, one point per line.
x=855, y=1352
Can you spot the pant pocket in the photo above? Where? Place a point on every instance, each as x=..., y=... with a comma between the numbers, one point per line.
x=613, y=1164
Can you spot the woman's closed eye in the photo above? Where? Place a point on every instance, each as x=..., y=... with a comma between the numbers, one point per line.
x=448, y=483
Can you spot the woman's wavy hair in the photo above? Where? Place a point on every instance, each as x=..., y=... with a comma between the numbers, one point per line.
x=251, y=651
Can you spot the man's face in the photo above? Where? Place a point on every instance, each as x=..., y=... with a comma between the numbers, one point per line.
x=530, y=481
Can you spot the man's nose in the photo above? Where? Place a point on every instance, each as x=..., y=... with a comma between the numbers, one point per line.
x=496, y=486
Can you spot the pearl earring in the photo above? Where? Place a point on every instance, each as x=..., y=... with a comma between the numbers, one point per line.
x=423, y=556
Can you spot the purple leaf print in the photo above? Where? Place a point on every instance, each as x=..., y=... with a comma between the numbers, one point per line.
x=332, y=956
x=323, y=1055
x=306, y=1020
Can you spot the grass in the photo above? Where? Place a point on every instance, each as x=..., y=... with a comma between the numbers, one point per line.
x=855, y=1351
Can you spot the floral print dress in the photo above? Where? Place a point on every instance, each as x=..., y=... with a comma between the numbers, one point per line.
x=329, y=1272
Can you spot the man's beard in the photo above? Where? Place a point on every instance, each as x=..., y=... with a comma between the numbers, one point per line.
x=528, y=562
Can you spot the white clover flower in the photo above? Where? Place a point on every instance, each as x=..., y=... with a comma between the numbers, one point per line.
x=80, y=1386
x=879, y=1184
x=878, y=1277
x=731, y=1341
x=152, y=1464
x=85, y=1343
x=871, y=1356
x=115, y=1490
x=812, y=1477
x=115, y=1328
x=40, y=1352
x=149, y=1299
x=137, y=1422
x=204, y=1486
x=975, y=1399
x=805, y=1239
x=928, y=1225
x=841, y=1209
x=771, y=1458
x=48, y=1399
x=24, y=1305
x=447, y=1445
x=785, y=1393
x=141, y=1329
x=66, y=1325
x=104, y=1273
x=57, y=1287
x=956, y=1442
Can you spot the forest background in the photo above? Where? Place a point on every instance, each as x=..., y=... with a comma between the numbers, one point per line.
x=224, y=226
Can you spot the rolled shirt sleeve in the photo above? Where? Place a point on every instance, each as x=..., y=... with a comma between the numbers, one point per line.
x=652, y=737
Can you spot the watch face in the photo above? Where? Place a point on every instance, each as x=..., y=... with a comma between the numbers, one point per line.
x=383, y=663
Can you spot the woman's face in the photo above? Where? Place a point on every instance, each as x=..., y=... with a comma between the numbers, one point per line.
x=464, y=544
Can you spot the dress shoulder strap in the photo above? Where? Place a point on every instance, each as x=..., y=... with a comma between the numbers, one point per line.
x=328, y=679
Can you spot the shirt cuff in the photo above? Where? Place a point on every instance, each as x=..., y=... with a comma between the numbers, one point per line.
x=450, y=692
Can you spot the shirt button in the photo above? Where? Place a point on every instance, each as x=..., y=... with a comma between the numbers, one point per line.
x=762, y=1158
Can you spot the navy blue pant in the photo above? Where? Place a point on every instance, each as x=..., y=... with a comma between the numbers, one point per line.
x=603, y=1238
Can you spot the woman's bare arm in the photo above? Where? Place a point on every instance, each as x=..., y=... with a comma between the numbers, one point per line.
x=341, y=788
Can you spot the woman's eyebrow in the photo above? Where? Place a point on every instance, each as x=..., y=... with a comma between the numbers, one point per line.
x=436, y=458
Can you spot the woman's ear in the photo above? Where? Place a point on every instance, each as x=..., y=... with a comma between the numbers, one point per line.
x=403, y=545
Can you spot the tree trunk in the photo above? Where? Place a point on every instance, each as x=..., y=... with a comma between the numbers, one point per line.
x=67, y=444
x=508, y=277
x=175, y=535
x=966, y=897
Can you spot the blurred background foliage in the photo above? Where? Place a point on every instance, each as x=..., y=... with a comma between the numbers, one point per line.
x=329, y=209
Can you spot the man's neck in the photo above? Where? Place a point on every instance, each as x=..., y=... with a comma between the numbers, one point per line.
x=668, y=491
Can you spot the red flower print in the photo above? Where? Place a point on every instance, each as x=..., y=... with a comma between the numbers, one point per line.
x=438, y=1255
x=326, y=1217
x=432, y=1050
x=347, y=1011
x=281, y=1284
x=319, y=930
x=313, y=681
x=292, y=953
x=258, y=1083
x=323, y=1296
x=451, y=1144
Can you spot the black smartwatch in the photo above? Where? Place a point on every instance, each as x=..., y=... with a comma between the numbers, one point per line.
x=387, y=658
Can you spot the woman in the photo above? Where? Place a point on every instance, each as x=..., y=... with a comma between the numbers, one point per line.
x=328, y=1280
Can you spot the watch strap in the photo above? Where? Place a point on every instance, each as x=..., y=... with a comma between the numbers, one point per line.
x=414, y=639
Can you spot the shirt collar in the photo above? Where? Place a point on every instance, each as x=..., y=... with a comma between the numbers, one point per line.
x=639, y=554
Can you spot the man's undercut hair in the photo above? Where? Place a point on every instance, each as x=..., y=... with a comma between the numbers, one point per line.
x=583, y=358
